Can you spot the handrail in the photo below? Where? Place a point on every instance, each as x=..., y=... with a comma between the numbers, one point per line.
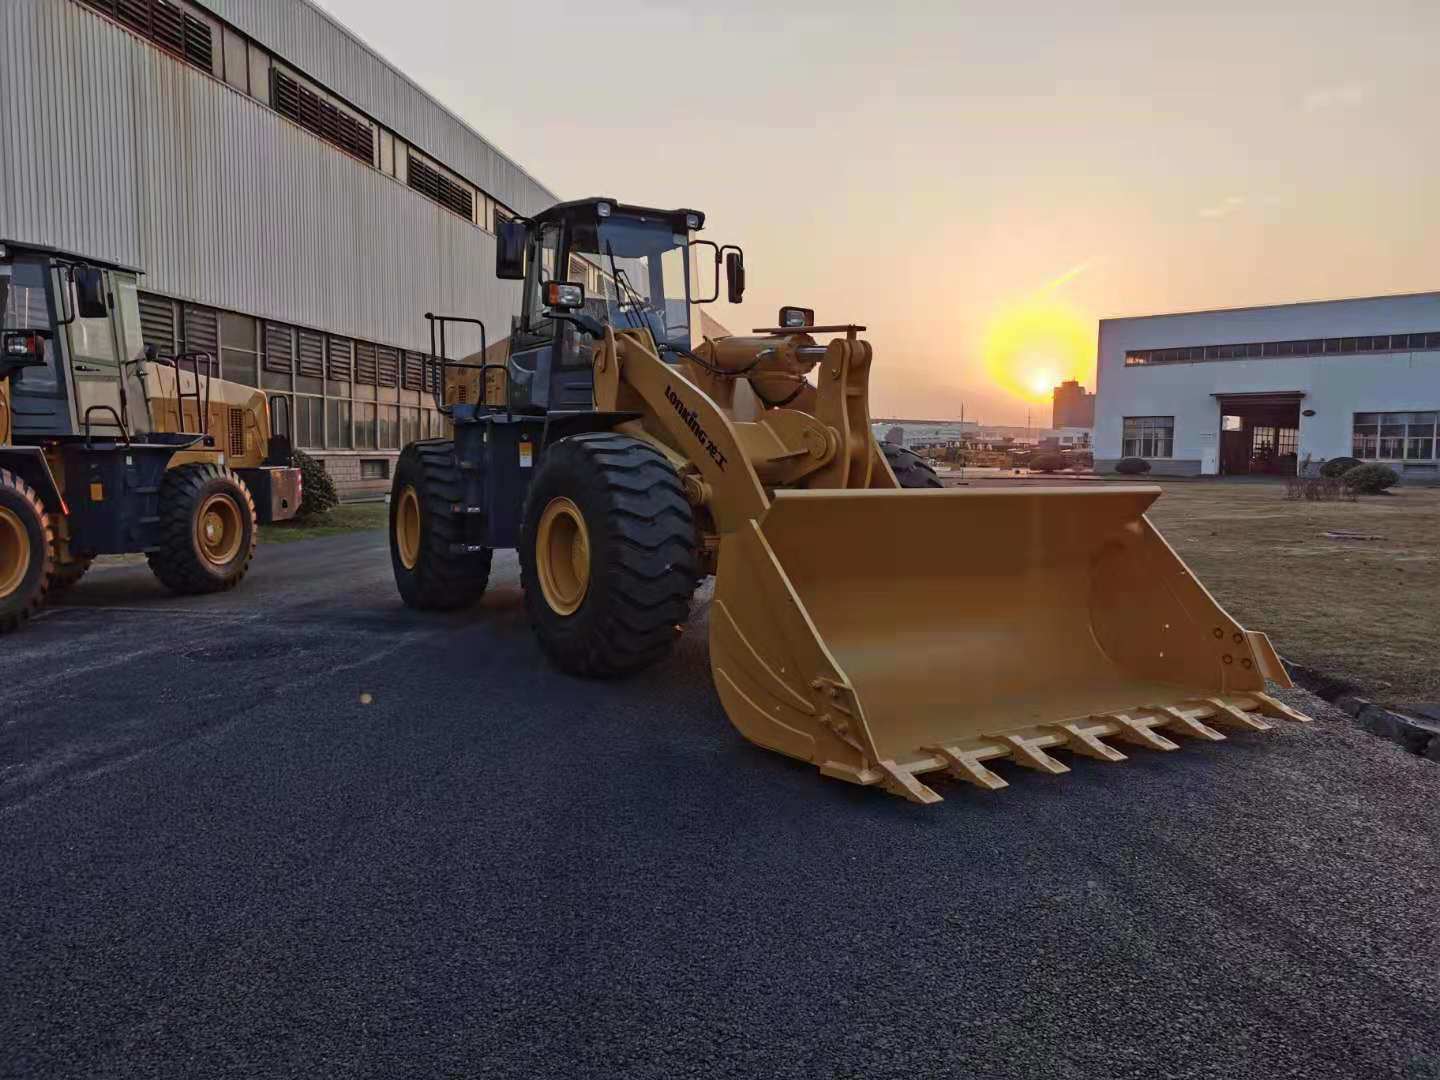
x=441, y=358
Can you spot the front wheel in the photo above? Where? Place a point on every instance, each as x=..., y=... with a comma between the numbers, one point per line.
x=26, y=551
x=607, y=554
x=207, y=530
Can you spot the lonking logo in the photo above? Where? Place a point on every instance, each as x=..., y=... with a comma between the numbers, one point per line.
x=688, y=415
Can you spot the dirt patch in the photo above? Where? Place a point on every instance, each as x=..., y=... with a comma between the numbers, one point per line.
x=1363, y=611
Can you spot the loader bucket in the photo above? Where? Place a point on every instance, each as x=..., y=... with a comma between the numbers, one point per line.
x=883, y=634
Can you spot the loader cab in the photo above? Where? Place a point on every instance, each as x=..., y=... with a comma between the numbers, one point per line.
x=641, y=268
x=68, y=328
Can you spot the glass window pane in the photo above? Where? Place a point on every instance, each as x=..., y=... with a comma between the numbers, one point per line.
x=337, y=424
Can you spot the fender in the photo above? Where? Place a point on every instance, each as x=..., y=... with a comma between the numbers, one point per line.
x=28, y=463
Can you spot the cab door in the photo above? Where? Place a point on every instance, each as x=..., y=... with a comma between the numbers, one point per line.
x=94, y=350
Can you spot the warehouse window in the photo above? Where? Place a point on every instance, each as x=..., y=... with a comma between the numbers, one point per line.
x=364, y=425
x=450, y=194
x=337, y=424
x=309, y=421
x=389, y=428
x=168, y=25
x=157, y=322
x=237, y=349
x=1372, y=343
x=1396, y=436
x=201, y=327
x=316, y=114
x=1148, y=437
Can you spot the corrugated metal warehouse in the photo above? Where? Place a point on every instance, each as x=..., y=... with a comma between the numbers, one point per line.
x=296, y=203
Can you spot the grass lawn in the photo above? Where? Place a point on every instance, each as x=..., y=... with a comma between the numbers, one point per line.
x=347, y=517
x=1364, y=610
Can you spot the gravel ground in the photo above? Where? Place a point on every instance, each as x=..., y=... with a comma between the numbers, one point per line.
x=218, y=861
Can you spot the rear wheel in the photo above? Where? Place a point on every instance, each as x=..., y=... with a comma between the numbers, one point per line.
x=607, y=555
x=436, y=568
x=66, y=575
x=27, y=540
x=910, y=468
x=207, y=530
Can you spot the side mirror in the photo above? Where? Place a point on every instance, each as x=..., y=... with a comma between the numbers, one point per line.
x=735, y=276
x=798, y=317
x=510, y=250
x=90, y=292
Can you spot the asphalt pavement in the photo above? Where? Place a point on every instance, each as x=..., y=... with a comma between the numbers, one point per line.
x=297, y=830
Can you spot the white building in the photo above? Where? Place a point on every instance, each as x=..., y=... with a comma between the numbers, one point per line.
x=296, y=203
x=1262, y=390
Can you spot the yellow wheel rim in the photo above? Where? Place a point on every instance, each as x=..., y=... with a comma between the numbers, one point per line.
x=562, y=556
x=14, y=551
x=407, y=528
x=218, y=529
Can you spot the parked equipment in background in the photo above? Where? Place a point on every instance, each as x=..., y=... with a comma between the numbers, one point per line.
x=864, y=619
x=106, y=448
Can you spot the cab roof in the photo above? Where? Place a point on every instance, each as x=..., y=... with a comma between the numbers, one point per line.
x=21, y=247
x=577, y=208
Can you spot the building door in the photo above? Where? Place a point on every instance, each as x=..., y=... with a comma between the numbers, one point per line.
x=1259, y=434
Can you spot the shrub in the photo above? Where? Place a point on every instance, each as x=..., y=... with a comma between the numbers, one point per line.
x=1132, y=466
x=318, y=496
x=1048, y=461
x=1370, y=479
x=1317, y=489
x=1339, y=466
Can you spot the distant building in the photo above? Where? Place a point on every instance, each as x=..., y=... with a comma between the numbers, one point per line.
x=991, y=435
x=924, y=432
x=1073, y=406
x=1264, y=389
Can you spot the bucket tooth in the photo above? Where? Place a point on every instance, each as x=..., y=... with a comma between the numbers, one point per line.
x=1186, y=723
x=1278, y=709
x=899, y=782
x=965, y=765
x=1079, y=740
x=1137, y=732
x=1228, y=715
x=1024, y=752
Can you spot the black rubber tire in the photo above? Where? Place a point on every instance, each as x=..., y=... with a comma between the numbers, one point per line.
x=20, y=499
x=66, y=575
x=643, y=559
x=910, y=468
x=178, y=562
x=445, y=577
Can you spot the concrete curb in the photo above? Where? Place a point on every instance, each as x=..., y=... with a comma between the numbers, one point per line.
x=1418, y=734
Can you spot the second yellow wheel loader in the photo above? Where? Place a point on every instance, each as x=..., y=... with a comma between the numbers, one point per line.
x=106, y=448
x=865, y=619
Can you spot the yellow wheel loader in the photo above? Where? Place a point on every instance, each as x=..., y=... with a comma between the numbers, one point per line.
x=865, y=619
x=107, y=448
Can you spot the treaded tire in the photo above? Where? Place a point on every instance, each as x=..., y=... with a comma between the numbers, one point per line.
x=24, y=508
x=643, y=567
x=443, y=577
x=179, y=561
x=66, y=575
x=910, y=468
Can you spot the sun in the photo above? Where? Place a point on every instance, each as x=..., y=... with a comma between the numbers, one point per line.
x=1033, y=344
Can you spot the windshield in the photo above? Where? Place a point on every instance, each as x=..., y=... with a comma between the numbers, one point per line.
x=635, y=274
x=22, y=297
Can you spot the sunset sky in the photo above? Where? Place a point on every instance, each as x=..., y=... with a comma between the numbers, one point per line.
x=975, y=183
